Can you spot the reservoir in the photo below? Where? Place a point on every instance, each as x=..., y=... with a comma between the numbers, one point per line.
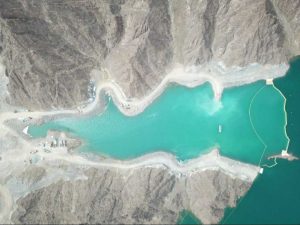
x=186, y=122
x=247, y=124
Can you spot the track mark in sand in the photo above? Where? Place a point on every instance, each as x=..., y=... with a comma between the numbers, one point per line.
x=5, y=204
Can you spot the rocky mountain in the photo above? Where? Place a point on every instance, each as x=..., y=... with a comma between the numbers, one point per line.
x=50, y=47
x=130, y=196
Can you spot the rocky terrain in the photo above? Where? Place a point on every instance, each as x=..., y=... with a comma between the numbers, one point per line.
x=111, y=196
x=49, y=48
x=49, y=52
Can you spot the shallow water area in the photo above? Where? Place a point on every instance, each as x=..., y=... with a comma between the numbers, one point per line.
x=246, y=124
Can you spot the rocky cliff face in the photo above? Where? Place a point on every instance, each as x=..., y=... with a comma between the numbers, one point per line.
x=49, y=48
x=139, y=196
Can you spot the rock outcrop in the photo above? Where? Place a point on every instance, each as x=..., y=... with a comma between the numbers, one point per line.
x=138, y=196
x=49, y=48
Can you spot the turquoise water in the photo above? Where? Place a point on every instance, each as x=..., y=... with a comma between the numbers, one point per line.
x=275, y=196
x=185, y=122
x=186, y=217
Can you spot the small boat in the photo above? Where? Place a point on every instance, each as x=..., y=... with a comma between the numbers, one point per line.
x=261, y=170
x=220, y=129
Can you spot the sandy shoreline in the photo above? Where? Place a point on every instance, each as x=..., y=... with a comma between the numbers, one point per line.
x=218, y=79
x=209, y=161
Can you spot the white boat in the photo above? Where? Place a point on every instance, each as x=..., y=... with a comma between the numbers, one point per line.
x=220, y=129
